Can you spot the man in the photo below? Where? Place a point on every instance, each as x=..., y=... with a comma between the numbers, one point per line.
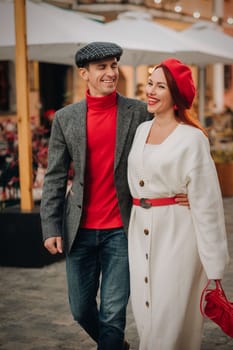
x=90, y=222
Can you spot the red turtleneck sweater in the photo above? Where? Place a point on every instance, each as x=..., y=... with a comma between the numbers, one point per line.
x=101, y=209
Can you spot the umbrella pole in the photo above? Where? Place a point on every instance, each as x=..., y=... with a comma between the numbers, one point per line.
x=135, y=79
x=201, y=95
x=218, y=69
x=23, y=118
x=218, y=87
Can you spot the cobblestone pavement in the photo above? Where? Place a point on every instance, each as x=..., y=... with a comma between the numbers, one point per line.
x=34, y=311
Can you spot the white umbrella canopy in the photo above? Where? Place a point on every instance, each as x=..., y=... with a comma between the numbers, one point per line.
x=140, y=39
x=149, y=42
x=53, y=34
x=214, y=40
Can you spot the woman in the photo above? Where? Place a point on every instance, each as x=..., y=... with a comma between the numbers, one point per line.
x=173, y=250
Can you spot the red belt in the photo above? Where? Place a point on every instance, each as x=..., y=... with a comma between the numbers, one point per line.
x=146, y=203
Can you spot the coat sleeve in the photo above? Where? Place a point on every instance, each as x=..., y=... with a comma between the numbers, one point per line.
x=207, y=212
x=55, y=183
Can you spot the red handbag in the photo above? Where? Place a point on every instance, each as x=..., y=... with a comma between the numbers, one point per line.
x=215, y=305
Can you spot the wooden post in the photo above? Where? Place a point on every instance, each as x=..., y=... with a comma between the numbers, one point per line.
x=23, y=117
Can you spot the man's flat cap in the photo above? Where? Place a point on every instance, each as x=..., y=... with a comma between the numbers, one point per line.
x=97, y=51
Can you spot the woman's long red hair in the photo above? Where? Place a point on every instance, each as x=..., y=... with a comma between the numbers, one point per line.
x=181, y=112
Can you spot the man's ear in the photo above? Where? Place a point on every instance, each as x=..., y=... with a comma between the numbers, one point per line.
x=83, y=72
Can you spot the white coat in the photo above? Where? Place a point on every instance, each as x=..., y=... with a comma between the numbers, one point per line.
x=173, y=249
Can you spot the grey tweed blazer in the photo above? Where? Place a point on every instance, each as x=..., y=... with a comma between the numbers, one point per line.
x=61, y=213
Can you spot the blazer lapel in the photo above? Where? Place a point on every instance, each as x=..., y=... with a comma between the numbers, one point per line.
x=124, y=118
x=79, y=132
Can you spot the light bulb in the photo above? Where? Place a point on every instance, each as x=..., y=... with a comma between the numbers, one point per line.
x=178, y=8
x=196, y=14
x=214, y=19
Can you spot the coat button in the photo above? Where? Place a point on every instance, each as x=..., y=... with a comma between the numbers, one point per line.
x=141, y=183
x=147, y=256
x=147, y=304
x=146, y=231
x=146, y=279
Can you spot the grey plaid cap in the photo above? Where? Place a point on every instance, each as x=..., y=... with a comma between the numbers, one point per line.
x=97, y=51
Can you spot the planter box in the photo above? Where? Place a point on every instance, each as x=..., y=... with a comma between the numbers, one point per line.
x=225, y=175
x=21, y=239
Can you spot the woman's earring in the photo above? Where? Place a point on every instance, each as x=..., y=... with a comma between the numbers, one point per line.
x=175, y=107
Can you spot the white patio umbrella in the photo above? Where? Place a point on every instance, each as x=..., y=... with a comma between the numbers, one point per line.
x=147, y=42
x=215, y=40
x=53, y=34
x=135, y=31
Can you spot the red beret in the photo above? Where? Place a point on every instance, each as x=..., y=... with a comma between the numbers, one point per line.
x=182, y=75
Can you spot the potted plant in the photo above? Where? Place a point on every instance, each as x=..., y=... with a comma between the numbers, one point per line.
x=223, y=159
x=220, y=133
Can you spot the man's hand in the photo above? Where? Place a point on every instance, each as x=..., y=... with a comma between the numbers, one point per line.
x=182, y=199
x=54, y=245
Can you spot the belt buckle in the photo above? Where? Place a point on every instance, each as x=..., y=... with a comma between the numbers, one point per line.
x=144, y=204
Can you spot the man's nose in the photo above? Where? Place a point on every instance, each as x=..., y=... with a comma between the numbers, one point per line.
x=110, y=71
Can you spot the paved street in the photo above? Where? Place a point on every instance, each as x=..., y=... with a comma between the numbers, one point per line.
x=34, y=311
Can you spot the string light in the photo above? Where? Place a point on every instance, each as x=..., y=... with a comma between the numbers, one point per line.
x=178, y=8
x=196, y=14
x=214, y=19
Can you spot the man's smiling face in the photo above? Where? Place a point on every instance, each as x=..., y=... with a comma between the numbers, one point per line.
x=101, y=76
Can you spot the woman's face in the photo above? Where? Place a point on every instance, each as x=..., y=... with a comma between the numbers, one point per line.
x=159, y=99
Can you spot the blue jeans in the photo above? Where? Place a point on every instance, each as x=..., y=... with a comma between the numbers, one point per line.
x=99, y=258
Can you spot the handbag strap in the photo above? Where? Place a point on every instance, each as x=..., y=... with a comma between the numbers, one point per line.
x=217, y=286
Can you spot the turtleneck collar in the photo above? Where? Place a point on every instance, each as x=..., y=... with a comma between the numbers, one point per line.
x=102, y=102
